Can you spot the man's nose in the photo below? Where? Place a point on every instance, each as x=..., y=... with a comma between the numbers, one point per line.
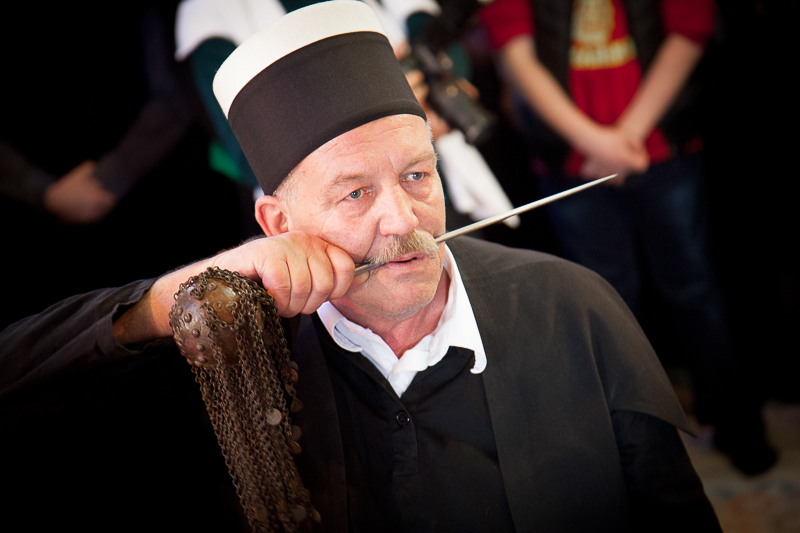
x=396, y=212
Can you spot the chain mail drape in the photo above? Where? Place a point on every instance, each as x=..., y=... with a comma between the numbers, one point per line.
x=226, y=326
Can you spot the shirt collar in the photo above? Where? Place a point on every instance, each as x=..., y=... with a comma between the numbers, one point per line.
x=456, y=327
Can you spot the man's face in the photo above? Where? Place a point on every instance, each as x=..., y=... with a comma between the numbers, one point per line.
x=363, y=189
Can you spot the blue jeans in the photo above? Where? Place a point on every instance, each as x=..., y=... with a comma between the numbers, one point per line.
x=655, y=227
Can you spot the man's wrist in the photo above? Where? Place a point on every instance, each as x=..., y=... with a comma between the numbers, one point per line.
x=148, y=319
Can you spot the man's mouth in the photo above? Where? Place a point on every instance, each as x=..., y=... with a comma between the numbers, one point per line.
x=408, y=258
x=403, y=249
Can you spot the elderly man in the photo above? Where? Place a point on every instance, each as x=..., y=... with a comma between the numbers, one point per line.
x=470, y=388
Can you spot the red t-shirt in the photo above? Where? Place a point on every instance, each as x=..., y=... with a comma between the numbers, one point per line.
x=604, y=73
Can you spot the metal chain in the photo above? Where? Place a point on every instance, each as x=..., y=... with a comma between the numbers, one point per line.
x=227, y=326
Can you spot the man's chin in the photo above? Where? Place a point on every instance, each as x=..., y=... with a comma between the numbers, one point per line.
x=394, y=292
x=396, y=311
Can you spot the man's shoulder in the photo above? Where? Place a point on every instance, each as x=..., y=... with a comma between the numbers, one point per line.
x=487, y=260
x=534, y=279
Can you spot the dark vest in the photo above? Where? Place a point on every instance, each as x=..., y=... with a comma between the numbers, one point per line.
x=426, y=461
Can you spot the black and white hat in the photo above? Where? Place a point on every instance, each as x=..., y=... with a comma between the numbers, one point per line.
x=309, y=77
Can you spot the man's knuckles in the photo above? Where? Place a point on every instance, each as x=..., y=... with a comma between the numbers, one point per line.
x=299, y=270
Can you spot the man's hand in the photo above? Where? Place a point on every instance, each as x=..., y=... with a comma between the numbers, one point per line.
x=78, y=198
x=300, y=271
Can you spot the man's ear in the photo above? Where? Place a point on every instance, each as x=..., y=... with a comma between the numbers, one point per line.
x=271, y=216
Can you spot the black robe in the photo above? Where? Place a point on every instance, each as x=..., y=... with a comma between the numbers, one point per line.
x=573, y=387
x=564, y=356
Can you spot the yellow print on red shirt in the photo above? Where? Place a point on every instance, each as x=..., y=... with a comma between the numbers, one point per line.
x=593, y=46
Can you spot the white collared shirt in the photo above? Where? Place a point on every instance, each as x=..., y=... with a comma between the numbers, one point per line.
x=456, y=327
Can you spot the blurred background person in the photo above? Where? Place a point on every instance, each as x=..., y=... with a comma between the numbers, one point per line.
x=100, y=141
x=104, y=178
x=607, y=86
x=750, y=147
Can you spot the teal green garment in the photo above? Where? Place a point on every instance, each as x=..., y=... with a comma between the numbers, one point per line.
x=462, y=68
x=225, y=156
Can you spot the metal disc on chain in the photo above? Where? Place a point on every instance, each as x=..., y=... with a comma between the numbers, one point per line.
x=299, y=513
x=274, y=417
x=295, y=448
x=297, y=405
x=260, y=513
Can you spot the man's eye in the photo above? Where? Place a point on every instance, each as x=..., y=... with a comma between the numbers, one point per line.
x=355, y=195
x=415, y=176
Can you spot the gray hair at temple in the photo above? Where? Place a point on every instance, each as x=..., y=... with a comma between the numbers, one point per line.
x=312, y=75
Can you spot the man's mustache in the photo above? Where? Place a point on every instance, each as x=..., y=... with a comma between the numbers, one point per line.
x=398, y=246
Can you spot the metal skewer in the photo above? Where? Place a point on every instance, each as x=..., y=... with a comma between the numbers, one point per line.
x=366, y=267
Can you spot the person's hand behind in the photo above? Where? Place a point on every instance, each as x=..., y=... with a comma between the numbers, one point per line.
x=78, y=198
x=612, y=151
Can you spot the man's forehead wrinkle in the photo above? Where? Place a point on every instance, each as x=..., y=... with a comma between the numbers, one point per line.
x=325, y=148
x=346, y=177
x=428, y=156
x=357, y=154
